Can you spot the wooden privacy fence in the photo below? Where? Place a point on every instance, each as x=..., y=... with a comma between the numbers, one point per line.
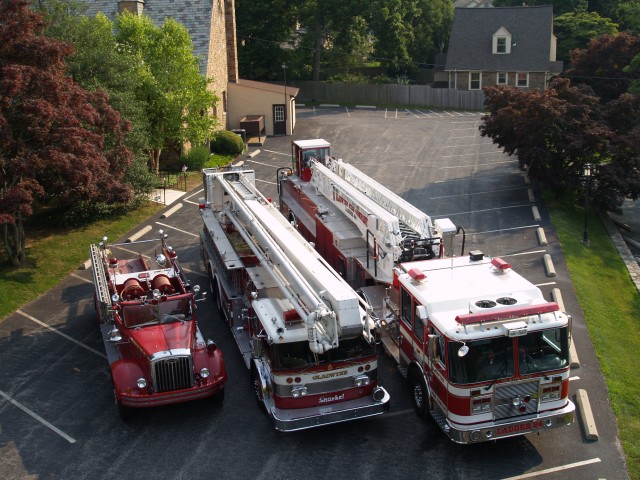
x=389, y=94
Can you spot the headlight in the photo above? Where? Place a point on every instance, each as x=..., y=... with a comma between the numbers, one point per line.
x=204, y=373
x=298, y=392
x=361, y=380
x=551, y=393
x=142, y=383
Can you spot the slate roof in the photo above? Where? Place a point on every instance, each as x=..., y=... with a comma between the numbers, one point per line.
x=195, y=15
x=470, y=42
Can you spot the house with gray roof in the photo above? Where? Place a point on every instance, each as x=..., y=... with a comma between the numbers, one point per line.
x=502, y=46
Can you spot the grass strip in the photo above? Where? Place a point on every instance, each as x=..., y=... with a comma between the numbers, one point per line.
x=611, y=305
x=53, y=253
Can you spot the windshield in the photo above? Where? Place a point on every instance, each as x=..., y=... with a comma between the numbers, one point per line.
x=298, y=354
x=492, y=359
x=543, y=351
x=172, y=310
x=488, y=359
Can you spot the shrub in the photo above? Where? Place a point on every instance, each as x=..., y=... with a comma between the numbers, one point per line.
x=140, y=178
x=84, y=213
x=196, y=159
x=348, y=78
x=225, y=142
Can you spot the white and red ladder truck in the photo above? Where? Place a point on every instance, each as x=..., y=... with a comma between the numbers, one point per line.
x=307, y=338
x=485, y=354
x=147, y=316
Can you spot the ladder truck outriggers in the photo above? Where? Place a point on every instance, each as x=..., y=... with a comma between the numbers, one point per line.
x=485, y=355
x=307, y=338
x=147, y=316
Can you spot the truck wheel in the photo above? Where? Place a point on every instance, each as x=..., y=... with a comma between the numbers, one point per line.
x=215, y=293
x=419, y=394
x=257, y=387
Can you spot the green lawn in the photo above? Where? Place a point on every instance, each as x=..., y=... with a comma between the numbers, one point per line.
x=53, y=253
x=611, y=304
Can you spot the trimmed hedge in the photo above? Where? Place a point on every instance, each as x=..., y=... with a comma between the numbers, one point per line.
x=225, y=142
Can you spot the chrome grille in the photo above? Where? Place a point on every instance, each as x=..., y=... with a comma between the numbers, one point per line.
x=172, y=373
x=506, y=394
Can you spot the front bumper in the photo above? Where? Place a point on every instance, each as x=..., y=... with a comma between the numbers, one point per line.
x=169, y=398
x=519, y=426
x=290, y=420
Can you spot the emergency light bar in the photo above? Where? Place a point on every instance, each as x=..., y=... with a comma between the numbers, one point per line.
x=507, y=313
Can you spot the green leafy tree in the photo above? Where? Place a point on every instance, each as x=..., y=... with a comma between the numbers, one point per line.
x=559, y=6
x=58, y=141
x=262, y=49
x=394, y=34
x=431, y=27
x=178, y=103
x=576, y=30
x=627, y=15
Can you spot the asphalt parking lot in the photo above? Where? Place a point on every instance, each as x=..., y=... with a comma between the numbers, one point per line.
x=58, y=419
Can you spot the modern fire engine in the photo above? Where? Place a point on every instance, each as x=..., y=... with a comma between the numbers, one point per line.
x=307, y=338
x=147, y=315
x=485, y=354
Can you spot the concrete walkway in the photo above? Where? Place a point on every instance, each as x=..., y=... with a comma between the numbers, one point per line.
x=625, y=232
x=166, y=196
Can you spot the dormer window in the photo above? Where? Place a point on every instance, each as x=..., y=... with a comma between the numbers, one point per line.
x=502, y=42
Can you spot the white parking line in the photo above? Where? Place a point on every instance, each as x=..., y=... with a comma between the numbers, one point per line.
x=80, y=278
x=42, y=324
x=467, y=121
x=262, y=163
x=193, y=195
x=409, y=111
x=278, y=153
x=265, y=181
x=573, y=379
x=191, y=272
x=177, y=229
x=534, y=252
x=504, y=230
x=554, y=469
x=37, y=417
x=476, y=164
x=479, y=193
x=545, y=284
x=470, y=154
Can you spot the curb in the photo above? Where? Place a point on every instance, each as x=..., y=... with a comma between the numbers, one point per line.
x=588, y=421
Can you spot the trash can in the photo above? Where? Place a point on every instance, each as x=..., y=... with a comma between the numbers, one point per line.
x=243, y=134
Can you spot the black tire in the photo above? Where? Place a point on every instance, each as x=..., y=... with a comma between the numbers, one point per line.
x=257, y=388
x=419, y=394
x=215, y=292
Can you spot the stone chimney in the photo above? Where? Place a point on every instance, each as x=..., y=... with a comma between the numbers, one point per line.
x=133, y=6
x=232, y=41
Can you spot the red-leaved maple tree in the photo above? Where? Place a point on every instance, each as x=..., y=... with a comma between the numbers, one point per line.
x=58, y=141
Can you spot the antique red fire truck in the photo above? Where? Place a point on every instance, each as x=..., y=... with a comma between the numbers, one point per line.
x=147, y=316
x=307, y=338
x=485, y=354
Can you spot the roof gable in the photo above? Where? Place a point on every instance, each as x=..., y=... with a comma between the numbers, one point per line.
x=473, y=31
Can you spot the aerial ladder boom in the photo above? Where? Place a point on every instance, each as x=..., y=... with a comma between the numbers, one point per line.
x=328, y=306
x=366, y=214
x=406, y=213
